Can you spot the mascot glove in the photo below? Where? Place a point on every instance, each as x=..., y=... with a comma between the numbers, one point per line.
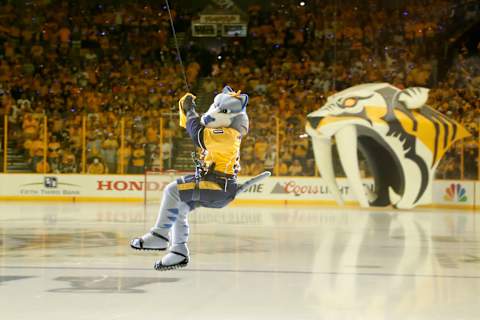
x=187, y=103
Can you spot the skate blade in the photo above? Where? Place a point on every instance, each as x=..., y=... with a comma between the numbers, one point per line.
x=159, y=267
x=147, y=249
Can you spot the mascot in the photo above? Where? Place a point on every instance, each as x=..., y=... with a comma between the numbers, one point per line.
x=218, y=133
x=401, y=137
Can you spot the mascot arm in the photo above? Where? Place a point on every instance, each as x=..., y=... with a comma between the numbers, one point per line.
x=186, y=108
x=190, y=120
x=188, y=104
x=195, y=130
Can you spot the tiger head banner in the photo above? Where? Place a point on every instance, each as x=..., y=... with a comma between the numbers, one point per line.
x=401, y=138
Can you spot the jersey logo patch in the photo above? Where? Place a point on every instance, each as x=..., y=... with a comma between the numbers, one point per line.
x=218, y=131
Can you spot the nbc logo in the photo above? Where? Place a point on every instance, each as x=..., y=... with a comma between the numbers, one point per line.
x=455, y=192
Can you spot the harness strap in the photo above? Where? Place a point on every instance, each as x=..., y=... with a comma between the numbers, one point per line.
x=198, y=175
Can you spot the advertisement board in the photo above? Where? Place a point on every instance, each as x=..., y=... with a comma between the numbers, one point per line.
x=282, y=190
x=454, y=193
x=77, y=187
x=477, y=195
x=299, y=188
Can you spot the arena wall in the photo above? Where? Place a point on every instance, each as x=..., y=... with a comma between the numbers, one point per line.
x=273, y=191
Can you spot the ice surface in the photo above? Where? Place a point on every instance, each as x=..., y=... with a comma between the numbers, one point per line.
x=73, y=261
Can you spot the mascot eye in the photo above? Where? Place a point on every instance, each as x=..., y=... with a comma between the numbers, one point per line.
x=224, y=111
x=350, y=102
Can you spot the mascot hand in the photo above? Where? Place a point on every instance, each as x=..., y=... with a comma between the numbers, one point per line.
x=187, y=103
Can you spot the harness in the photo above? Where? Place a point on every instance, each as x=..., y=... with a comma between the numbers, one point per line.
x=217, y=176
x=199, y=172
x=209, y=174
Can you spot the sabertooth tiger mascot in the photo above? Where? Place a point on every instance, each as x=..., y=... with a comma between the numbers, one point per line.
x=218, y=133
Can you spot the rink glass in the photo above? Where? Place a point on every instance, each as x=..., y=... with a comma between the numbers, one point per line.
x=104, y=143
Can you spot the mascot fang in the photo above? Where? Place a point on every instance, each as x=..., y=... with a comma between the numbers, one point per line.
x=218, y=133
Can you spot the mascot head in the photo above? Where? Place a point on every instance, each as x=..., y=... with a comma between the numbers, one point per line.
x=401, y=138
x=229, y=109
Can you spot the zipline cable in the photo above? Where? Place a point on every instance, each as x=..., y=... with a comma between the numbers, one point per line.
x=179, y=56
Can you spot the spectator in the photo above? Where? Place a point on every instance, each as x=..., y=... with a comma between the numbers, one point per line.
x=295, y=168
x=138, y=159
x=42, y=167
x=68, y=163
x=167, y=149
x=53, y=154
x=109, y=152
x=97, y=167
x=36, y=153
x=282, y=169
x=261, y=146
x=30, y=126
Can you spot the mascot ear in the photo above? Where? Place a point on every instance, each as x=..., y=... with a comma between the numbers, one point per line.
x=227, y=89
x=244, y=99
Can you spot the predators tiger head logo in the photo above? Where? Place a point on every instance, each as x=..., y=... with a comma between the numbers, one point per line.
x=401, y=138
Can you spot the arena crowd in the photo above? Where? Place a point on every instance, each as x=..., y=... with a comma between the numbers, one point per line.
x=105, y=63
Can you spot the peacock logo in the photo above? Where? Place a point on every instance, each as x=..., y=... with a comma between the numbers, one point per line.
x=455, y=192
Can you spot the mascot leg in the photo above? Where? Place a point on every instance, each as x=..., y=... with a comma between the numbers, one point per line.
x=178, y=255
x=172, y=214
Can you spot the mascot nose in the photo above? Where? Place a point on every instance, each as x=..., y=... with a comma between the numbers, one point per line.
x=314, y=121
x=207, y=119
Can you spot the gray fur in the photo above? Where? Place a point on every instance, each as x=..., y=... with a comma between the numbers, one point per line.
x=240, y=123
x=229, y=103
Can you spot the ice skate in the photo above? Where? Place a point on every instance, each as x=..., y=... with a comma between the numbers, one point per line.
x=177, y=257
x=150, y=241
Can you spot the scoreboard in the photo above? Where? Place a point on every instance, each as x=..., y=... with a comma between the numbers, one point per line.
x=234, y=30
x=225, y=25
x=204, y=30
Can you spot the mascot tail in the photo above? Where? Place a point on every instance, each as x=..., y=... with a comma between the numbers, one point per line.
x=243, y=187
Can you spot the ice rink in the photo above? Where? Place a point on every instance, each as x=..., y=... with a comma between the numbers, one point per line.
x=73, y=261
